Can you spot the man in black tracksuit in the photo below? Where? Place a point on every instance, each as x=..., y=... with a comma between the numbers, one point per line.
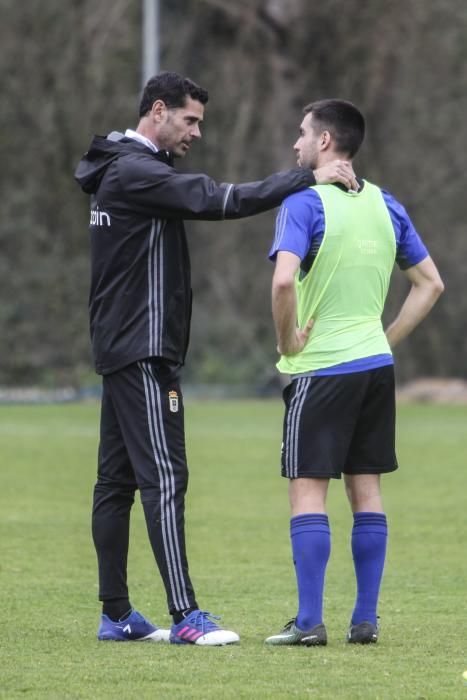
x=140, y=309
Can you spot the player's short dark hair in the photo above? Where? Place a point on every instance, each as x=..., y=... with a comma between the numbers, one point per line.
x=172, y=89
x=343, y=120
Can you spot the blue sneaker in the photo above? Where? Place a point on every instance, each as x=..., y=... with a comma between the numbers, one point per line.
x=198, y=628
x=134, y=628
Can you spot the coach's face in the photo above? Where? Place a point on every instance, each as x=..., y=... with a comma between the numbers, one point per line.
x=177, y=128
x=307, y=147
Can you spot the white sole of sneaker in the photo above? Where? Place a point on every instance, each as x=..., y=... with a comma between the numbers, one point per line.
x=157, y=636
x=219, y=638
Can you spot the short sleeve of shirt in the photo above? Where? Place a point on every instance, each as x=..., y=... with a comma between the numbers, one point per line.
x=410, y=247
x=299, y=222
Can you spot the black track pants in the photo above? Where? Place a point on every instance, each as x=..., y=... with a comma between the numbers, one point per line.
x=142, y=446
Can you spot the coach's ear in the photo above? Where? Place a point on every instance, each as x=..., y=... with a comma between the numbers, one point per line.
x=159, y=112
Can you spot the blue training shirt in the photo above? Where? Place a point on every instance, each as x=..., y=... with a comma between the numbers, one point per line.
x=300, y=227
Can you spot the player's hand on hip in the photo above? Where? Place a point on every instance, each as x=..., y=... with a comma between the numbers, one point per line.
x=298, y=342
x=337, y=171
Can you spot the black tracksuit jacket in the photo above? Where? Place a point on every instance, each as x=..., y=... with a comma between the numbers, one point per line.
x=140, y=297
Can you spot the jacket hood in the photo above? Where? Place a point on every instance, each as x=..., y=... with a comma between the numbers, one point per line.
x=102, y=152
x=92, y=166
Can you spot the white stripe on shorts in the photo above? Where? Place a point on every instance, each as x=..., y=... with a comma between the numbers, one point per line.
x=293, y=425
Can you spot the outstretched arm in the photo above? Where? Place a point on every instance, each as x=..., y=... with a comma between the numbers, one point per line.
x=158, y=189
x=290, y=338
x=253, y=197
x=427, y=286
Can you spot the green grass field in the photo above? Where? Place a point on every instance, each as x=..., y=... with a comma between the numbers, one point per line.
x=237, y=524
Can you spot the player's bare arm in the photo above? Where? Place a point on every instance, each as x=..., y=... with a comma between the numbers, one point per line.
x=290, y=338
x=427, y=286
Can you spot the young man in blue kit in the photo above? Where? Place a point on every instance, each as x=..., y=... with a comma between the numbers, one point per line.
x=334, y=251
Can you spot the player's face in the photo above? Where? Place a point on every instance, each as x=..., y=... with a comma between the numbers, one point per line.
x=306, y=147
x=179, y=127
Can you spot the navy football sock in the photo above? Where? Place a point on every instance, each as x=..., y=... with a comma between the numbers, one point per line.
x=311, y=546
x=117, y=608
x=369, y=537
x=179, y=615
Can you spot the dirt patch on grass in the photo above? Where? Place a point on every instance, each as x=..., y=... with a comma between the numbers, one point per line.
x=434, y=390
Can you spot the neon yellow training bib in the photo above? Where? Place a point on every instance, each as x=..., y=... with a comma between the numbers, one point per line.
x=346, y=288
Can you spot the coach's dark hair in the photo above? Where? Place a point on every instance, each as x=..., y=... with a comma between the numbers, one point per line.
x=171, y=88
x=344, y=122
